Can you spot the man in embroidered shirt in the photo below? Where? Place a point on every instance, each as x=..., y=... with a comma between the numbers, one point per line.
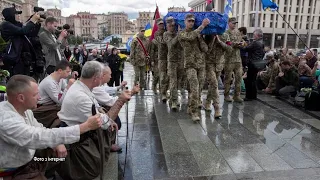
x=21, y=135
x=78, y=104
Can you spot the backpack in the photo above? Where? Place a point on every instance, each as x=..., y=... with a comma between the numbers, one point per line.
x=312, y=100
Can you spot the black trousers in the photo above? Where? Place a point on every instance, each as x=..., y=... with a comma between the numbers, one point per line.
x=251, y=82
x=260, y=84
x=115, y=79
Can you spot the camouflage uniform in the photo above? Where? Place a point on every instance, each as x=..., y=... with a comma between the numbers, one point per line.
x=154, y=64
x=175, y=63
x=214, y=66
x=194, y=63
x=163, y=63
x=139, y=60
x=233, y=65
x=269, y=77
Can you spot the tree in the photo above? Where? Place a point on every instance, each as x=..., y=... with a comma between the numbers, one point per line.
x=115, y=41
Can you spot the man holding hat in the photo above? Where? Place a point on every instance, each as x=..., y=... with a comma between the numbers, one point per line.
x=194, y=62
x=175, y=60
x=233, y=62
x=162, y=56
x=139, y=57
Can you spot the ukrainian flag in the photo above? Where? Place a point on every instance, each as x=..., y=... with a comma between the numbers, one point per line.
x=228, y=8
x=269, y=5
x=148, y=31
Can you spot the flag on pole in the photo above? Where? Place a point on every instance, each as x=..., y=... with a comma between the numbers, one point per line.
x=269, y=5
x=155, y=26
x=228, y=8
x=148, y=30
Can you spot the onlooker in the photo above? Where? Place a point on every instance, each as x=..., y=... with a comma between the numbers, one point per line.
x=266, y=79
x=114, y=62
x=95, y=56
x=255, y=64
x=244, y=54
x=51, y=46
x=311, y=58
x=305, y=75
x=67, y=53
x=283, y=54
x=287, y=81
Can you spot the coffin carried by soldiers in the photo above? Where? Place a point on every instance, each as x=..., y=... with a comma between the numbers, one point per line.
x=218, y=22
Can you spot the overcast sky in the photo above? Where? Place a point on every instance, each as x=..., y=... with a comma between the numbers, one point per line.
x=104, y=6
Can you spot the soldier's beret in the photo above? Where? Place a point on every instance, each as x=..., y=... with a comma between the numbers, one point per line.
x=170, y=20
x=190, y=16
x=159, y=21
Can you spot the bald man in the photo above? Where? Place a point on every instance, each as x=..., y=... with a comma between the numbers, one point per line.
x=94, y=56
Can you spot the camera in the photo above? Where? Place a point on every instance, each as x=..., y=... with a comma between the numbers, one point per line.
x=40, y=9
x=66, y=27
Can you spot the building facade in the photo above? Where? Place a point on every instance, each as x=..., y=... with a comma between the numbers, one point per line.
x=26, y=6
x=56, y=13
x=145, y=18
x=176, y=9
x=302, y=15
x=200, y=5
x=117, y=22
x=84, y=24
x=103, y=30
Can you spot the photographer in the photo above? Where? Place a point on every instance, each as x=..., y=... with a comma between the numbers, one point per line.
x=51, y=45
x=19, y=54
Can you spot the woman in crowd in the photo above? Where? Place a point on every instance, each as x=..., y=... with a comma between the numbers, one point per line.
x=114, y=62
x=67, y=53
x=76, y=54
x=255, y=64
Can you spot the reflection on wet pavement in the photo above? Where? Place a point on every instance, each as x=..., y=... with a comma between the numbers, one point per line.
x=252, y=140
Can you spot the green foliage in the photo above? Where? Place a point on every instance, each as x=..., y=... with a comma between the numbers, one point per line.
x=115, y=41
x=75, y=40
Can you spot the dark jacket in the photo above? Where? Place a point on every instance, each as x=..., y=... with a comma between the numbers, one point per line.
x=114, y=62
x=242, y=52
x=311, y=62
x=18, y=35
x=291, y=77
x=255, y=51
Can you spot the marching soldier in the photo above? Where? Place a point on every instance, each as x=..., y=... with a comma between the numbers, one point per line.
x=162, y=57
x=233, y=62
x=139, y=57
x=193, y=61
x=214, y=65
x=175, y=61
x=154, y=64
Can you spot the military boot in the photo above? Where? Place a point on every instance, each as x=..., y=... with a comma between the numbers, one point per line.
x=227, y=98
x=195, y=117
x=208, y=106
x=217, y=113
x=174, y=105
x=237, y=99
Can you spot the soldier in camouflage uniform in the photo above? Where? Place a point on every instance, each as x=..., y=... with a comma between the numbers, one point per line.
x=175, y=61
x=139, y=59
x=233, y=62
x=214, y=65
x=154, y=64
x=162, y=57
x=194, y=62
x=266, y=79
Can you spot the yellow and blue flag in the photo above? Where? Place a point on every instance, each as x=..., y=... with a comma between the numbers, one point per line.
x=147, y=33
x=269, y=5
x=228, y=8
x=148, y=30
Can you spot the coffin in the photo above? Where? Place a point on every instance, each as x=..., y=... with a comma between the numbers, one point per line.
x=218, y=22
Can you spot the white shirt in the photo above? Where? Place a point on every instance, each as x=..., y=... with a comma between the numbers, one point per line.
x=50, y=91
x=111, y=90
x=77, y=105
x=21, y=136
x=103, y=97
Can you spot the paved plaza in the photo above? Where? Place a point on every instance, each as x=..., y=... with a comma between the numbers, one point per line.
x=264, y=139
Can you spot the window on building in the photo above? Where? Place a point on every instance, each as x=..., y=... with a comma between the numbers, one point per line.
x=318, y=26
x=296, y=18
x=295, y=25
x=285, y=9
x=308, y=18
x=264, y=17
x=298, y=2
x=263, y=24
x=297, y=10
x=310, y=2
x=309, y=10
x=271, y=17
x=285, y=2
x=283, y=25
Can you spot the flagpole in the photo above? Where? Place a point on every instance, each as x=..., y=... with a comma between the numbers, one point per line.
x=293, y=30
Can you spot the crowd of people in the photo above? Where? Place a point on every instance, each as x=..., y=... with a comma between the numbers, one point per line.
x=64, y=103
x=60, y=112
